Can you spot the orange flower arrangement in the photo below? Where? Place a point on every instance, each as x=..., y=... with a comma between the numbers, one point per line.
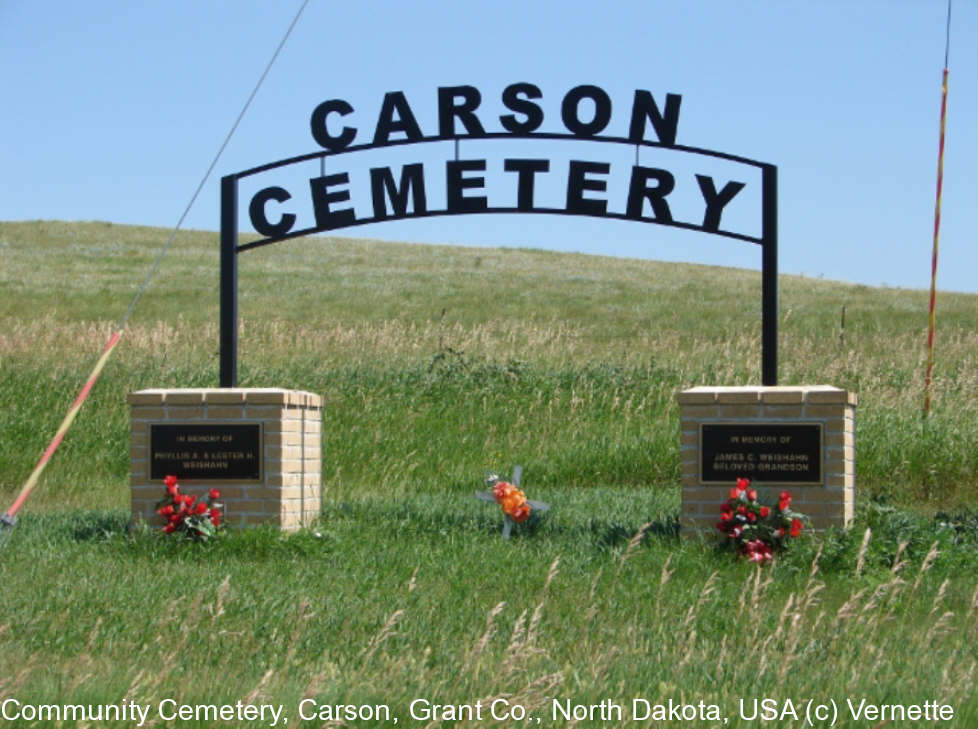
x=512, y=500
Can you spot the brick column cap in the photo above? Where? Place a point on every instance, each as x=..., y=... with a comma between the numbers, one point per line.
x=779, y=394
x=226, y=396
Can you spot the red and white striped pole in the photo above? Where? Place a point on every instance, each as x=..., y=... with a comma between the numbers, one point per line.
x=9, y=518
x=937, y=224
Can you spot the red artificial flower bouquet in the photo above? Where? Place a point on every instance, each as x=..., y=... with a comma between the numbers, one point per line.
x=754, y=529
x=195, y=518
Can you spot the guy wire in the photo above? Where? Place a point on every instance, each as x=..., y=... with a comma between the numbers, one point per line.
x=8, y=520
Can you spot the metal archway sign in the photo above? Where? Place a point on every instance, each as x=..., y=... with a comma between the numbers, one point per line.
x=586, y=112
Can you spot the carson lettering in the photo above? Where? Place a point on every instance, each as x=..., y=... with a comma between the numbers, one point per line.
x=517, y=97
x=570, y=110
x=320, y=130
x=396, y=116
x=449, y=109
x=458, y=108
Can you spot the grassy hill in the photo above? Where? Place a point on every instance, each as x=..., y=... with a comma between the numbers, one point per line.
x=441, y=361
x=437, y=363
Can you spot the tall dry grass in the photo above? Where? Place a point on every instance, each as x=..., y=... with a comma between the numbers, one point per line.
x=644, y=631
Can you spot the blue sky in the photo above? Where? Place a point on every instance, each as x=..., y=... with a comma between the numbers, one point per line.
x=114, y=110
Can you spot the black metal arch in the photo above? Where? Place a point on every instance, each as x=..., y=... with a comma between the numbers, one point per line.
x=230, y=248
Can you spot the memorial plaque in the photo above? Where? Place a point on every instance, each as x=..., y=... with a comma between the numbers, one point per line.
x=206, y=451
x=785, y=453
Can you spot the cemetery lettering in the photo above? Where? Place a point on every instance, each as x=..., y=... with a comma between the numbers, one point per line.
x=464, y=183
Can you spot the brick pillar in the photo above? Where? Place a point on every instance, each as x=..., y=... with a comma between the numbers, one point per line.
x=827, y=411
x=285, y=487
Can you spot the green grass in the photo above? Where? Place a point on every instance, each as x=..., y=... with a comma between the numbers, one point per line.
x=436, y=364
x=461, y=358
x=390, y=601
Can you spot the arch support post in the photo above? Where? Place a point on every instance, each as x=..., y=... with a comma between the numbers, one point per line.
x=769, y=277
x=229, y=281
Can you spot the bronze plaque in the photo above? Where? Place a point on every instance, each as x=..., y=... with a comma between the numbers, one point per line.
x=786, y=453
x=206, y=451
